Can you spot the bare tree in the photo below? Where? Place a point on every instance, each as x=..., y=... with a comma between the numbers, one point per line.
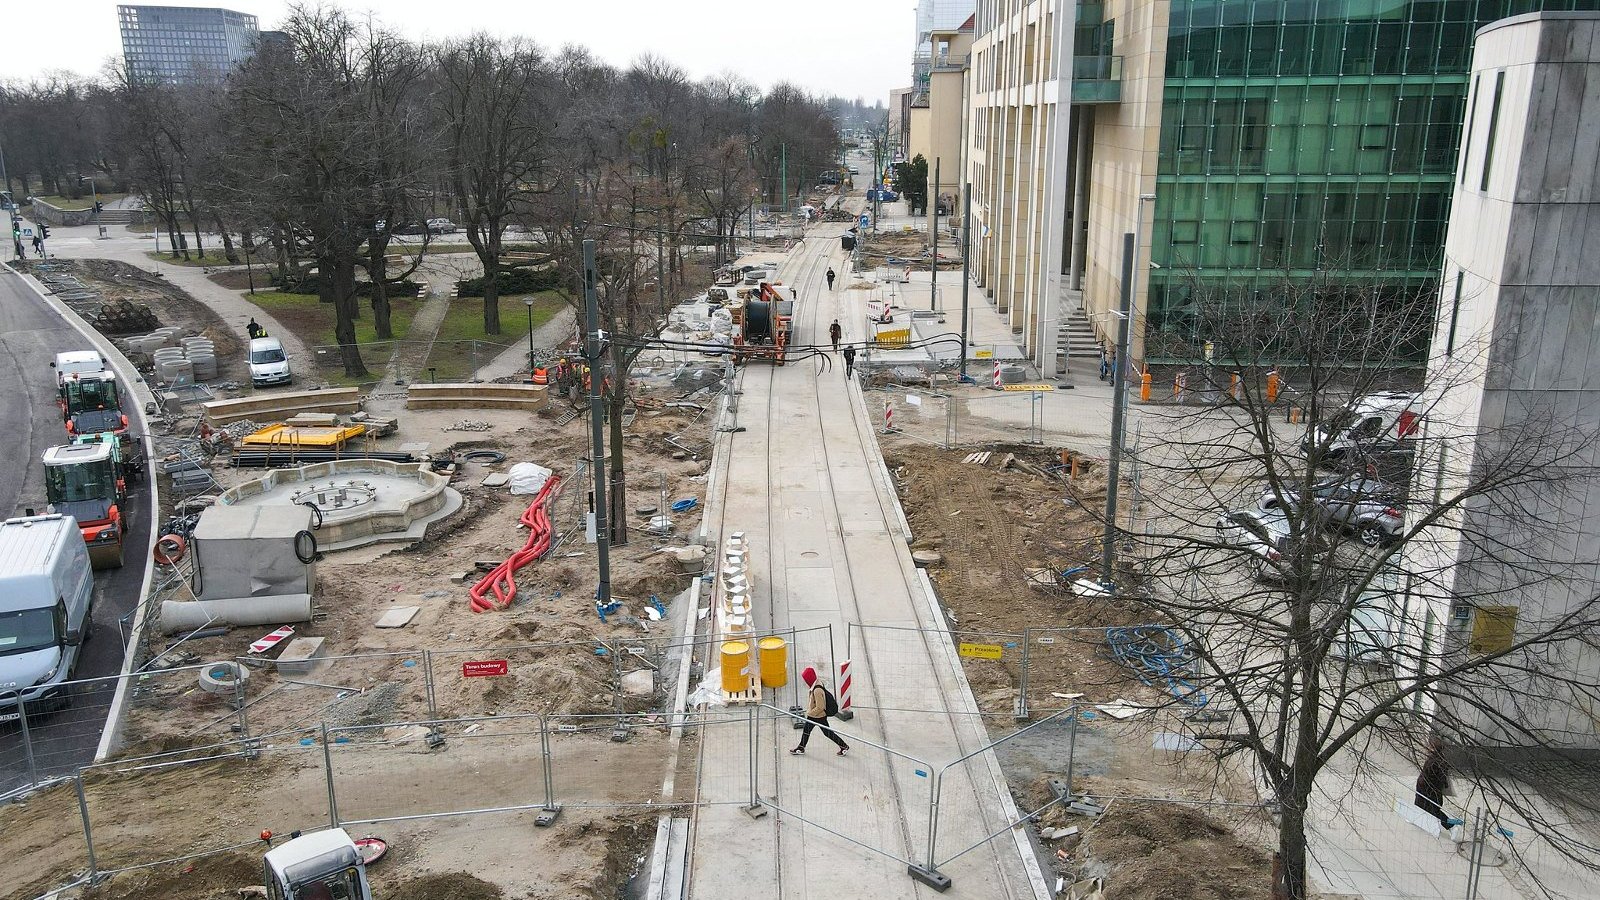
x=1305, y=646
x=493, y=98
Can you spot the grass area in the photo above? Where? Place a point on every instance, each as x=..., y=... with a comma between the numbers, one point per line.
x=214, y=257
x=84, y=202
x=313, y=322
x=462, y=346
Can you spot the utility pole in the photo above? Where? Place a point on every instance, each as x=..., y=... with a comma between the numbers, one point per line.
x=966, y=272
x=933, y=301
x=594, y=352
x=783, y=174
x=1119, y=387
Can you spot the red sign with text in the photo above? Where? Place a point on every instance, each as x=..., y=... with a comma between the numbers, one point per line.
x=481, y=667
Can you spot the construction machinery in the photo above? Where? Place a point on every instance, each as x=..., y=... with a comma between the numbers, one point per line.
x=761, y=326
x=323, y=865
x=87, y=481
x=91, y=403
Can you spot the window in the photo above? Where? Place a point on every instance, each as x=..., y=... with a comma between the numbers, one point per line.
x=1494, y=124
x=1455, y=313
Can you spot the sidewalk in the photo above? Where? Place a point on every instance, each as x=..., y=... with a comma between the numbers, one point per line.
x=805, y=482
x=514, y=360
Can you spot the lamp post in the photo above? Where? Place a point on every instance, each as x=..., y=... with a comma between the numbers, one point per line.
x=1119, y=392
x=528, y=302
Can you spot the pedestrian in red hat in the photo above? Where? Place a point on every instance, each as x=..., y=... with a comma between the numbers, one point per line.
x=819, y=707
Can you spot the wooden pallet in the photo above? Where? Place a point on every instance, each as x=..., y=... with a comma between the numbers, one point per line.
x=752, y=695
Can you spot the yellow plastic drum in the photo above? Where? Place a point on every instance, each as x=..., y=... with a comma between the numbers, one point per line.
x=735, y=662
x=774, y=653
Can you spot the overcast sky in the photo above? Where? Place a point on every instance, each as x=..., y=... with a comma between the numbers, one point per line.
x=846, y=47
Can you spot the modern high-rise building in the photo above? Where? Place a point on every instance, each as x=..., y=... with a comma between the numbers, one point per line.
x=182, y=44
x=1284, y=141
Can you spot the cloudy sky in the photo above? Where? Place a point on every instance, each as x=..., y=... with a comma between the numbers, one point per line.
x=846, y=47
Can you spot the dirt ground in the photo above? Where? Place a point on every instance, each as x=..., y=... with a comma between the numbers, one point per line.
x=992, y=525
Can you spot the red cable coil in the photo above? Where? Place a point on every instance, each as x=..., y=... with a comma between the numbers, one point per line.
x=501, y=580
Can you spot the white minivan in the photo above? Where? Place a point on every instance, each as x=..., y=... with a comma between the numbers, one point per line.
x=46, y=591
x=268, y=363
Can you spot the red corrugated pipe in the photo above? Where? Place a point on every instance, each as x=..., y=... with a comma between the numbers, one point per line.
x=501, y=580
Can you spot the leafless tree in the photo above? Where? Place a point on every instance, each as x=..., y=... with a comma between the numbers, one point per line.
x=1330, y=641
x=493, y=99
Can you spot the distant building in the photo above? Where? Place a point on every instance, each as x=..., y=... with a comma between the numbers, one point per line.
x=181, y=44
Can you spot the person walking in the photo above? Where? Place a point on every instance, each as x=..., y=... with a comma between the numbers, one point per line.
x=849, y=360
x=834, y=333
x=830, y=278
x=819, y=707
x=254, y=329
x=1432, y=783
x=38, y=245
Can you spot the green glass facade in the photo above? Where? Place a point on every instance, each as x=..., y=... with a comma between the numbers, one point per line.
x=1307, y=139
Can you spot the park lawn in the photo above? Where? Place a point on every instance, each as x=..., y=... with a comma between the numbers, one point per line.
x=84, y=202
x=215, y=256
x=313, y=322
x=461, y=345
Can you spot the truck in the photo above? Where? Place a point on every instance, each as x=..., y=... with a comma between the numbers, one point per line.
x=761, y=326
x=46, y=599
x=88, y=481
x=322, y=865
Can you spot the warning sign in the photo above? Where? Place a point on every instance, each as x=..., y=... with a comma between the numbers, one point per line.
x=983, y=354
x=480, y=668
x=894, y=336
x=1027, y=387
x=981, y=651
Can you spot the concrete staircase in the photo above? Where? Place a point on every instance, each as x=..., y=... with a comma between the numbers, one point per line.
x=119, y=216
x=1075, y=337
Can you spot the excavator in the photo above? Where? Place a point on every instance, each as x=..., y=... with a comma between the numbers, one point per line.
x=761, y=326
x=88, y=481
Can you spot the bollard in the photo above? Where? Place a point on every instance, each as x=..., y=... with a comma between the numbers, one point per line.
x=1144, y=387
x=845, y=712
x=1179, y=386
x=1234, y=384
x=1272, y=386
x=997, y=374
x=888, y=418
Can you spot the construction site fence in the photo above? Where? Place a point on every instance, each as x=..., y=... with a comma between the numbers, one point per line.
x=602, y=675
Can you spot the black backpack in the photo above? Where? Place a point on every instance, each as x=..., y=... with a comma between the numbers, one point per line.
x=830, y=706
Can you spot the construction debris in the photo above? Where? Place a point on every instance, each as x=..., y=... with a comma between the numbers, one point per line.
x=468, y=425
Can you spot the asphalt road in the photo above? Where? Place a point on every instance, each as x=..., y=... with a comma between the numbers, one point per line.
x=31, y=334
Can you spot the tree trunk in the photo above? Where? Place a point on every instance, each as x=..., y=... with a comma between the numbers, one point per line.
x=227, y=244
x=1292, y=851
x=617, y=398
x=337, y=285
x=199, y=245
x=280, y=246
x=172, y=237
x=378, y=270
x=491, y=293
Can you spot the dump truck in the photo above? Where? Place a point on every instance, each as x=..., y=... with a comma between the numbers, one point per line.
x=87, y=481
x=761, y=326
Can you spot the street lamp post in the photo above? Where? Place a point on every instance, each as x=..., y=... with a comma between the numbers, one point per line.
x=528, y=303
x=1119, y=392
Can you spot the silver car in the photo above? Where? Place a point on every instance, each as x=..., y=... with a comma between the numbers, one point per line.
x=1262, y=533
x=1354, y=504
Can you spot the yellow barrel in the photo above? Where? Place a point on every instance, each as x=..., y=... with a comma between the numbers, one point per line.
x=735, y=662
x=774, y=652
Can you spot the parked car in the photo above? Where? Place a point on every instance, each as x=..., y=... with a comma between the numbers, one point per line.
x=1373, y=425
x=268, y=363
x=410, y=228
x=1263, y=533
x=442, y=226
x=854, y=171
x=1365, y=507
x=46, y=592
x=884, y=194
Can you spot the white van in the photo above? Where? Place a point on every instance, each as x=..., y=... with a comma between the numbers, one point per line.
x=46, y=591
x=77, y=362
x=268, y=363
x=1374, y=423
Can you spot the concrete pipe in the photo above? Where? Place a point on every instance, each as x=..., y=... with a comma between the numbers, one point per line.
x=187, y=615
x=223, y=677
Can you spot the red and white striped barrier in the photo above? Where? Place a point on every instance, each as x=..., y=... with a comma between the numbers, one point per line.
x=997, y=374
x=267, y=642
x=845, y=712
x=888, y=418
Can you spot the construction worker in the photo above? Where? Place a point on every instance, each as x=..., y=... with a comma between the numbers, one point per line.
x=254, y=329
x=830, y=278
x=835, y=332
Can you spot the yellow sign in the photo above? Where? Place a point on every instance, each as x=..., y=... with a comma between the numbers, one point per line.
x=983, y=354
x=894, y=336
x=981, y=651
x=1027, y=387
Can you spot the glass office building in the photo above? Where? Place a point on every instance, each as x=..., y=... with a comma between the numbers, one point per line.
x=1307, y=139
x=182, y=44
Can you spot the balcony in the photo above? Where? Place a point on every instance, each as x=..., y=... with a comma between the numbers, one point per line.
x=951, y=62
x=1097, y=79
